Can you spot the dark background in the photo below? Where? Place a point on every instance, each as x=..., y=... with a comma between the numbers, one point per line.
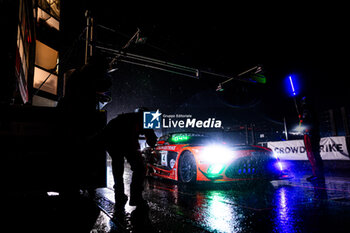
x=310, y=42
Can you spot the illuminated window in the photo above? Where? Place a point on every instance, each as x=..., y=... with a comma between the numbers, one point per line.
x=51, y=21
x=40, y=76
x=46, y=57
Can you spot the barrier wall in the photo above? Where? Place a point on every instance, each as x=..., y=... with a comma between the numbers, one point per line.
x=331, y=148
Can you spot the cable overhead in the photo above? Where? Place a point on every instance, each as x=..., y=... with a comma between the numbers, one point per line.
x=148, y=62
x=134, y=59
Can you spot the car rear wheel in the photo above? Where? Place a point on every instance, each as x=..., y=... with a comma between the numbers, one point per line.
x=187, y=168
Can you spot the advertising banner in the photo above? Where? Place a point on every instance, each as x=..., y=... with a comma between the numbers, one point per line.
x=331, y=148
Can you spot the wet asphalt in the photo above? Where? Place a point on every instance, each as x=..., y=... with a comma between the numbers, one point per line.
x=293, y=205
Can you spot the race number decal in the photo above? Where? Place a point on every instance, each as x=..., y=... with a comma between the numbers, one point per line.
x=164, y=158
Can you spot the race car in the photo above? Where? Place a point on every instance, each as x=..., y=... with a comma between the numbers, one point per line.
x=193, y=157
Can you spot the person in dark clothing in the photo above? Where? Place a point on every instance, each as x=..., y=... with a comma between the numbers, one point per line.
x=79, y=104
x=121, y=141
x=310, y=122
x=80, y=121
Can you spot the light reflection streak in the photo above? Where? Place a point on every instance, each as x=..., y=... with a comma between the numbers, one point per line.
x=284, y=221
x=283, y=206
x=221, y=216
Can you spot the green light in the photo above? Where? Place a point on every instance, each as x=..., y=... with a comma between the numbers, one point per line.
x=180, y=137
x=215, y=169
x=258, y=78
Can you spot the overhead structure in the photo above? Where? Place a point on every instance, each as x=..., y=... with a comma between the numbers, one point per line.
x=252, y=75
x=150, y=63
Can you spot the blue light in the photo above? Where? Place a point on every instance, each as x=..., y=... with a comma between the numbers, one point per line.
x=292, y=85
x=278, y=161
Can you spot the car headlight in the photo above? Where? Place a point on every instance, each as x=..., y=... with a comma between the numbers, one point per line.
x=216, y=154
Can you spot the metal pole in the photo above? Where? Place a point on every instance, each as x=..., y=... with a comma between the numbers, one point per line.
x=88, y=37
x=285, y=128
x=296, y=107
x=252, y=133
x=91, y=37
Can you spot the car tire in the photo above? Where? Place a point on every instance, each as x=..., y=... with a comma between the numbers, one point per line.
x=187, y=169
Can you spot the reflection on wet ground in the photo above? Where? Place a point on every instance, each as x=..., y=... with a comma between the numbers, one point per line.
x=280, y=206
x=293, y=205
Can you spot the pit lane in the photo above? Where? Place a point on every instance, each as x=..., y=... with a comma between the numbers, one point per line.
x=279, y=206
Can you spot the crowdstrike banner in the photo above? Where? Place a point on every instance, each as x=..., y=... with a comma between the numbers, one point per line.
x=331, y=148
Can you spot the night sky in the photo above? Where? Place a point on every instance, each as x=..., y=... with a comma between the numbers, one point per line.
x=308, y=41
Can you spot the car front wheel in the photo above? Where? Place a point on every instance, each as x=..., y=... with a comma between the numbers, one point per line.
x=187, y=168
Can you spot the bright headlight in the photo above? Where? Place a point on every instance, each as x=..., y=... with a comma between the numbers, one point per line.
x=217, y=154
